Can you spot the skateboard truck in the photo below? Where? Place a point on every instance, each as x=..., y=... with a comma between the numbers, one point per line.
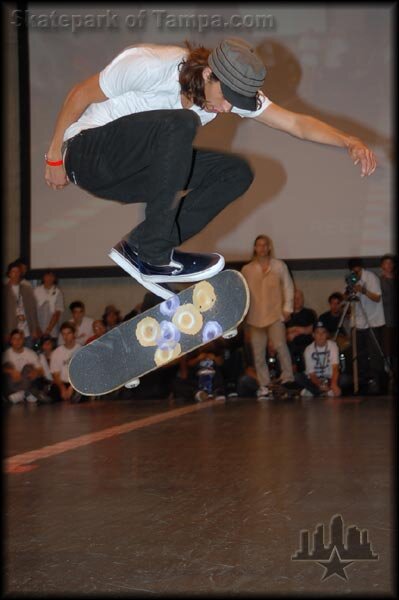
x=133, y=383
x=230, y=334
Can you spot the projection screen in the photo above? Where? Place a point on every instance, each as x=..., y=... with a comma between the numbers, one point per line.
x=331, y=63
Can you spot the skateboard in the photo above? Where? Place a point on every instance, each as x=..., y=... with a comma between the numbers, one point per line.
x=197, y=315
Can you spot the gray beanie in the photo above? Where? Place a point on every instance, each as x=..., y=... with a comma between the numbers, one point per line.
x=240, y=71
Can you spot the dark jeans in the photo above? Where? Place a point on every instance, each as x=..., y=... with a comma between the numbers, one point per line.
x=149, y=157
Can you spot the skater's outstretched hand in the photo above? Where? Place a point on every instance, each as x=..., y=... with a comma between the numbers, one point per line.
x=306, y=127
x=359, y=152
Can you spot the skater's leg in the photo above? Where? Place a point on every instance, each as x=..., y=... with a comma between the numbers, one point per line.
x=146, y=157
x=217, y=179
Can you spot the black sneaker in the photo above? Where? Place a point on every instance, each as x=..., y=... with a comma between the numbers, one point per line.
x=182, y=268
x=126, y=257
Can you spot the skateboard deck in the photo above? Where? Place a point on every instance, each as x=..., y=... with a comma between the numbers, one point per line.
x=205, y=311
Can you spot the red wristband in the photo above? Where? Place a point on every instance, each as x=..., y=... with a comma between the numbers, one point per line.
x=53, y=163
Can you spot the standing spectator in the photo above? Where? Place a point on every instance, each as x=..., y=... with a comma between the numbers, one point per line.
x=23, y=265
x=321, y=365
x=83, y=325
x=388, y=282
x=62, y=389
x=111, y=317
x=369, y=320
x=299, y=329
x=20, y=307
x=50, y=304
x=98, y=330
x=22, y=369
x=271, y=303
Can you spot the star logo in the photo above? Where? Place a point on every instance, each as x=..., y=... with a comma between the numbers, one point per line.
x=335, y=566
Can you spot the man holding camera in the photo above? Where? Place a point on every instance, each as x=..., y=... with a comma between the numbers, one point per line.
x=365, y=289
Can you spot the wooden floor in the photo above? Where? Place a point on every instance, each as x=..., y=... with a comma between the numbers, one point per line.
x=124, y=498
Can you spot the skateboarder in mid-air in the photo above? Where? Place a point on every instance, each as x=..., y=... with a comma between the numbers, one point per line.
x=126, y=134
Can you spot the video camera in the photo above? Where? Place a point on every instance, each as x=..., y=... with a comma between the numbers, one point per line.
x=351, y=280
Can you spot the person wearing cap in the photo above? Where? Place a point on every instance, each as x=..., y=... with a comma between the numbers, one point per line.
x=126, y=134
x=321, y=376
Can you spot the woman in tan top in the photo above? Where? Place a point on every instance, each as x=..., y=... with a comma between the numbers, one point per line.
x=271, y=303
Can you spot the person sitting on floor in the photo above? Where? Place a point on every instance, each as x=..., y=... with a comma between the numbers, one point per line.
x=98, y=330
x=111, y=317
x=322, y=376
x=22, y=369
x=299, y=329
x=62, y=389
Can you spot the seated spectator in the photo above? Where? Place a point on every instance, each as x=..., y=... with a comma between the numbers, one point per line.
x=199, y=375
x=332, y=317
x=98, y=330
x=20, y=307
x=111, y=317
x=83, y=325
x=47, y=345
x=62, y=389
x=299, y=329
x=50, y=304
x=321, y=377
x=22, y=369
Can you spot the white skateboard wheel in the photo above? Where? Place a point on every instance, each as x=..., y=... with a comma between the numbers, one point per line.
x=133, y=383
x=230, y=334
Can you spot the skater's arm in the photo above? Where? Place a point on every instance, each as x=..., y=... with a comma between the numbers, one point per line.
x=308, y=128
x=79, y=98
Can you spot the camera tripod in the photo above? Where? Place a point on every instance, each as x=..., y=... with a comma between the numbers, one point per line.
x=352, y=303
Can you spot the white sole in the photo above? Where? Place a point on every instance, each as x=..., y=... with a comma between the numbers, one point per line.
x=135, y=273
x=208, y=273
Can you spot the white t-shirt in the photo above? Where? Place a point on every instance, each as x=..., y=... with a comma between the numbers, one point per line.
x=45, y=366
x=20, y=359
x=48, y=302
x=141, y=78
x=320, y=359
x=60, y=360
x=374, y=310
